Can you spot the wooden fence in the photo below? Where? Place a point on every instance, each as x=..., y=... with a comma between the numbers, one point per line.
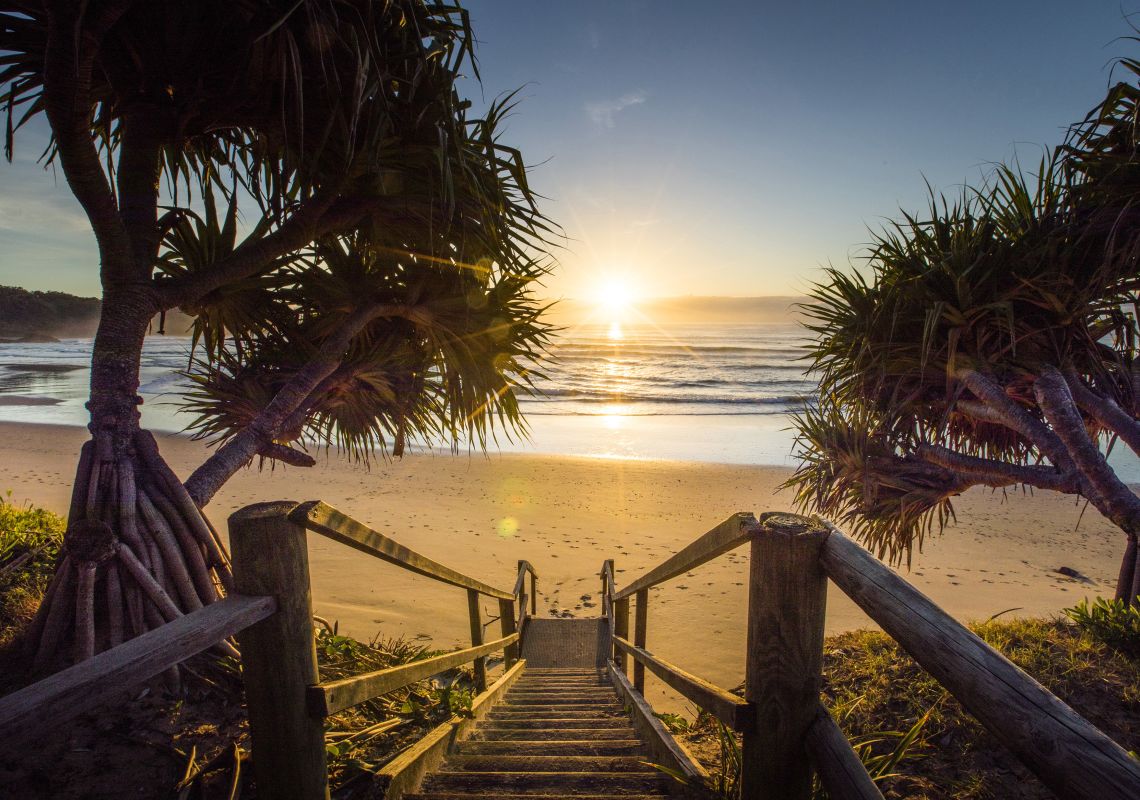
x=286, y=701
x=270, y=612
x=787, y=733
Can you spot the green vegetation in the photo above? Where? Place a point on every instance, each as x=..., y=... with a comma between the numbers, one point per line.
x=30, y=541
x=919, y=742
x=1113, y=622
x=989, y=341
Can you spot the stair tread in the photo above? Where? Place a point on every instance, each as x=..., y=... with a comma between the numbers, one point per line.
x=532, y=762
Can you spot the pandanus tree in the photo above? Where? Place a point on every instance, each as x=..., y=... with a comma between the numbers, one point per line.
x=303, y=178
x=991, y=342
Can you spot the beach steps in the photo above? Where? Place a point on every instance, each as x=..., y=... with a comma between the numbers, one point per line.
x=559, y=732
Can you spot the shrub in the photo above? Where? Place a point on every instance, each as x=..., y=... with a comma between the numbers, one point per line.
x=30, y=542
x=1114, y=622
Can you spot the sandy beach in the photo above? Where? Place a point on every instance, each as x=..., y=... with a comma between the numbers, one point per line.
x=566, y=514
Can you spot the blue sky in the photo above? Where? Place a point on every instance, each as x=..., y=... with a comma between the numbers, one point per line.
x=721, y=148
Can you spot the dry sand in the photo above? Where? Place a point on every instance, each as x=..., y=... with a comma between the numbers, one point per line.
x=566, y=515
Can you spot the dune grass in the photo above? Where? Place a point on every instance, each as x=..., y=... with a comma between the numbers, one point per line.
x=878, y=694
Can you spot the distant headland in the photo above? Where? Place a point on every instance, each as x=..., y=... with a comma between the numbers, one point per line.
x=28, y=316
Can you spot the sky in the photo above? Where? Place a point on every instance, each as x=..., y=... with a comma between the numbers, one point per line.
x=720, y=148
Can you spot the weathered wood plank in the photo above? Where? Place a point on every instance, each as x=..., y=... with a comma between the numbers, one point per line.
x=621, y=628
x=1068, y=754
x=327, y=521
x=840, y=770
x=403, y=774
x=26, y=714
x=329, y=698
x=640, y=626
x=509, y=629
x=279, y=657
x=787, y=595
x=733, y=711
x=666, y=750
x=729, y=534
x=476, y=617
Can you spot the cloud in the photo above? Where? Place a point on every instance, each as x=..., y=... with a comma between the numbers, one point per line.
x=604, y=114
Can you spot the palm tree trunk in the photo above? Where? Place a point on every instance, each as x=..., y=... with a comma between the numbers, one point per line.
x=138, y=552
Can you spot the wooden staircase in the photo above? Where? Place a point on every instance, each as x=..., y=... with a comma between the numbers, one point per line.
x=557, y=733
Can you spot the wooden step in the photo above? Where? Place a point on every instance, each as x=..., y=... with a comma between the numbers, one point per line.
x=587, y=723
x=539, y=783
x=560, y=698
x=570, y=746
x=516, y=796
x=568, y=711
x=499, y=762
x=527, y=733
x=586, y=688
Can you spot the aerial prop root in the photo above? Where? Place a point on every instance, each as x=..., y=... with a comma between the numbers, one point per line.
x=137, y=554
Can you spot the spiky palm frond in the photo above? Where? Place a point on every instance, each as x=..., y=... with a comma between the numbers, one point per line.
x=1025, y=274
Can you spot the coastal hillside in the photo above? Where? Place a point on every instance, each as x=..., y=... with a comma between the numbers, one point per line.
x=25, y=313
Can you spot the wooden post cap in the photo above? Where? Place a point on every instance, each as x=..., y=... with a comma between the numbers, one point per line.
x=793, y=524
x=271, y=508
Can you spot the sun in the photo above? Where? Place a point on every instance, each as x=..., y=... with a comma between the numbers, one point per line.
x=614, y=299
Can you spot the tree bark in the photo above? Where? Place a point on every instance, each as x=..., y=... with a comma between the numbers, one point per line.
x=1109, y=494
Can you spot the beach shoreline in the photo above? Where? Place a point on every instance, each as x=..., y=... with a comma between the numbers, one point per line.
x=566, y=514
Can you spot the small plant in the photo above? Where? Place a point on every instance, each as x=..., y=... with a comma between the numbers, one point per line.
x=30, y=540
x=1113, y=622
x=674, y=722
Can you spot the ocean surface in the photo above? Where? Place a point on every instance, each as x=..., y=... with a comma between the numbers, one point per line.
x=691, y=393
x=715, y=393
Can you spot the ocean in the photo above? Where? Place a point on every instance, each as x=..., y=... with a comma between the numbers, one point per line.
x=708, y=393
x=718, y=393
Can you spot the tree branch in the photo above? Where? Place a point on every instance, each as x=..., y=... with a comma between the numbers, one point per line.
x=1109, y=494
x=999, y=473
x=68, y=64
x=204, y=483
x=286, y=454
x=1105, y=411
x=1017, y=418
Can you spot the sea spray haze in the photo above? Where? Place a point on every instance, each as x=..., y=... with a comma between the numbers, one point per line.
x=379, y=289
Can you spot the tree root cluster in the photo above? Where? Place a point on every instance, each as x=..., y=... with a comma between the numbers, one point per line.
x=138, y=553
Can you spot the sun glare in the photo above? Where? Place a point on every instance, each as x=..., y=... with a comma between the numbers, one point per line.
x=614, y=299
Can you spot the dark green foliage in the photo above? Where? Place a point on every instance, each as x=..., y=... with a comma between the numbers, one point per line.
x=1114, y=622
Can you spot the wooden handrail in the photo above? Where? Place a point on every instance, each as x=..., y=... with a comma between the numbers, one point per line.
x=524, y=564
x=733, y=711
x=840, y=769
x=731, y=533
x=1073, y=758
x=89, y=684
x=322, y=518
x=326, y=699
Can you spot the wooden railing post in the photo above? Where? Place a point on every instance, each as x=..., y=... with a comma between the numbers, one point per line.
x=279, y=659
x=533, y=595
x=641, y=620
x=621, y=629
x=507, y=623
x=787, y=593
x=477, y=639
